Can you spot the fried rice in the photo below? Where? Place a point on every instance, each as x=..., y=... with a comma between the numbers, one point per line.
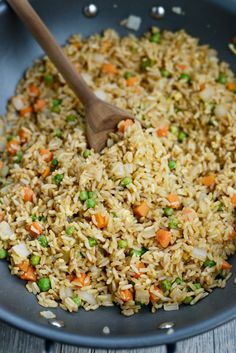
x=151, y=219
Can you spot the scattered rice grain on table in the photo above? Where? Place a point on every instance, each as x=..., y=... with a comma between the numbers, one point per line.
x=150, y=220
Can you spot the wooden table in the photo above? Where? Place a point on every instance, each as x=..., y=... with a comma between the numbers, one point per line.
x=220, y=340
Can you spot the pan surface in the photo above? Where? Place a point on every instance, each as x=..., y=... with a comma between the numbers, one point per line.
x=213, y=22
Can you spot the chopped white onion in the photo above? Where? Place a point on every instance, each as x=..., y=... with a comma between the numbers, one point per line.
x=47, y=314
x=87, y=78
x=207, y=93
x=99, y=58
x=6, y=232
x=171, y=307
x=118, y=169
x=199, y=253
x=220, y=111
x=21, y=250
x=101, y=94
x=4, y=171
x=133, y=22
x=65, y=292
x=18, y=103
x=106, y=330
x=87, y=297
x=149, y=232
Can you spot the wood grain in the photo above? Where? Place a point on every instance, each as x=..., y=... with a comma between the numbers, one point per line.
x=221, y=340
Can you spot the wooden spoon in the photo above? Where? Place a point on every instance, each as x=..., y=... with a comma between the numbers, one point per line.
x=101, y=117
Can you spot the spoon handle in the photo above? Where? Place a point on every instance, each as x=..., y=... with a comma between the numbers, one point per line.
x=46, y=40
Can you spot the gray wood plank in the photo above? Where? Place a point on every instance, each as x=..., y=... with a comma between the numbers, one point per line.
x=221, y=340
x=225, y=338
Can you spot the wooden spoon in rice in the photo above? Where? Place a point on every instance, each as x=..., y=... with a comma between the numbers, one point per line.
x=101, y=117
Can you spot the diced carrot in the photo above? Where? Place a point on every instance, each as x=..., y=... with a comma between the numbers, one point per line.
x=162, y=131
x=101, y=220
x=1, y=164
x=163, y=237
x=46, y=172
x=34, y=229
x=28, y=194
x=26, y=111
x=181, y=66
x=202, y=86
x=13, y=147
x=70, y=277
x=126, y=295
x=233, y=199
x=2, y=216
x=225, y=265
x=28, y=272
x=153, y=297
x=33, y=91
x=231, y=86
x=208, y=180
x=141, y=210
x=39, y=105
x=109, y=68
x=131, y=81
x=23, y=266
x=81, y=281
x=47, y=155
x=22, y=136
x=124, y=124
x=140, y=265
x=232, y=235
x=174, y=200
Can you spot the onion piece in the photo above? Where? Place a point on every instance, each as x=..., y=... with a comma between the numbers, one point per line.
x=220, y=111
x=21, y=250
x=133, y=22
x=47, y=314
x=99, y=58
x=6, y=232
x=101, y=94
x=65, y=292
x=171, y=307
x=18, y=102
x=87, y=297
x=207, y=93
x=199, y=253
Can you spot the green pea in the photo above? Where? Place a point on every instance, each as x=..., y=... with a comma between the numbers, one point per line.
x=147, y=63
x=179, y=280
x=54, y=162
x=56, y=109
x=197, y=285
x=172, y=165
x=44, y=284
x=126, y=181
x=9, y=138
x=168, y=211
x=135, y=252
x=34, y=217
x=92, y=242
x=70, y=230
x=3, y=254
x=87, y=153
x=83, y=195
x=165, y=285
x=182, y=136
x=57, y=133
x=56, y=102
x=35, y=260
x=155, y=37
x=48, y=79
x=90, y=203
x=76, y=299
x=174, y=130
x=209, y=263
x=165, y=73
x=58, y=178
x=220, y=207
x=114, y=214
x=187, y=300
x=128, y=74
x=185, y=77
x=71, y=118
x=43, y=241
x=222, y=78
x=42, y=218
x=122, y=244
x=18, y=157
x=92, y=195
x=173, y=223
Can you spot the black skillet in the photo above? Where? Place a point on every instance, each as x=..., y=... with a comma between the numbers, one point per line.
x=213, y=21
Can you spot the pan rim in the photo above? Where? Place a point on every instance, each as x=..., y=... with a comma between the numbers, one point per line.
x=111, y=342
